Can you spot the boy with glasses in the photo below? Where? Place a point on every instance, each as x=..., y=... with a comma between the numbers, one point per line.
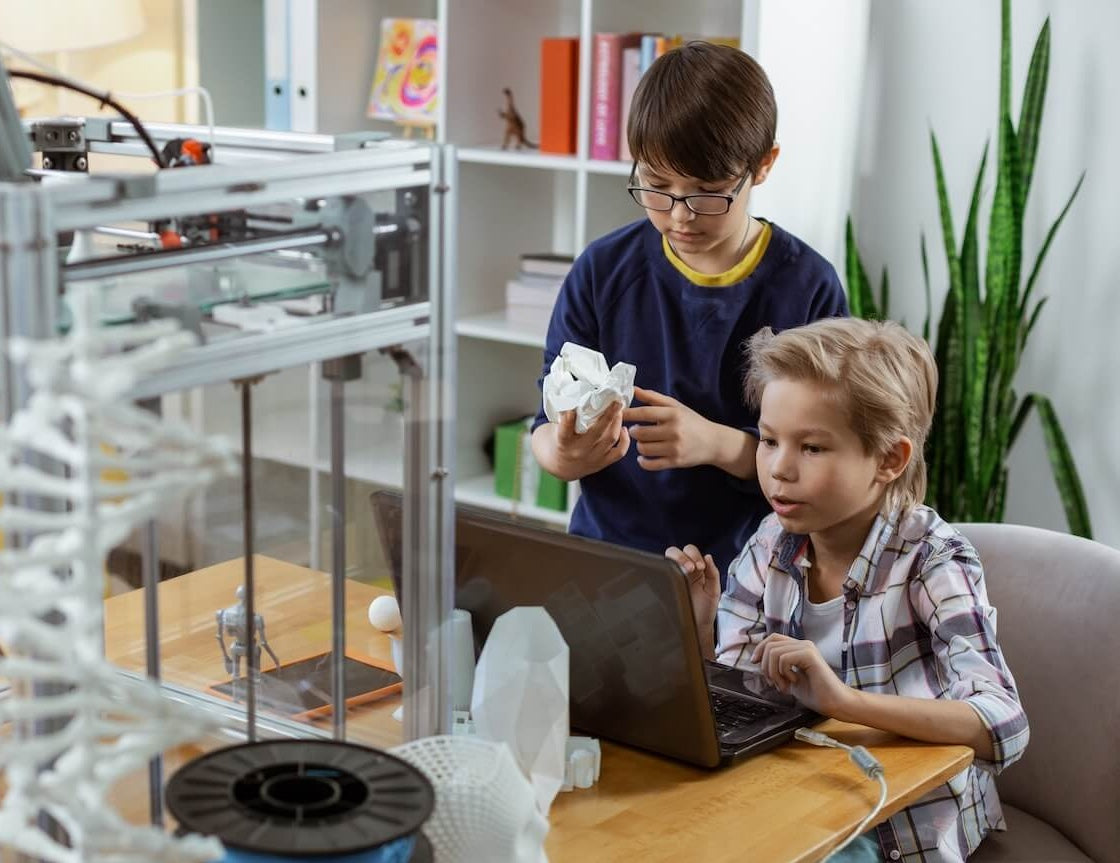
x=677, y=294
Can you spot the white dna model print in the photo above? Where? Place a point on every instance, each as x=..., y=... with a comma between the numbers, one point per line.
x=77, y=725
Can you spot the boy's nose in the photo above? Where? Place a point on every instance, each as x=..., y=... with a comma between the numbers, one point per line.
x=684, y=213
x=781, y=467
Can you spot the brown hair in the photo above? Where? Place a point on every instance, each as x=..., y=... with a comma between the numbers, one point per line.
x=705, y=111
x=882, y=376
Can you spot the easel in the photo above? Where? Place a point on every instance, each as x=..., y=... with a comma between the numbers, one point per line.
x=426, y=128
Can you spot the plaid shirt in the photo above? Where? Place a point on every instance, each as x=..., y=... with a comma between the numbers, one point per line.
x=916, y=622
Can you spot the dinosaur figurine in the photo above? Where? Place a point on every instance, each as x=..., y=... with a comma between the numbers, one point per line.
x=515, y=126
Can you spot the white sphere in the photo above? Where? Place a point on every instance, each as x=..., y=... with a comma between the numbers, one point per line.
x=385, y=613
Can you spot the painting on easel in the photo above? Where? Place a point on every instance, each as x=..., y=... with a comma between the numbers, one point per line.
x=406, y=82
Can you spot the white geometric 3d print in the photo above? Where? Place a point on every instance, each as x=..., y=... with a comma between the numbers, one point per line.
x=78, y=424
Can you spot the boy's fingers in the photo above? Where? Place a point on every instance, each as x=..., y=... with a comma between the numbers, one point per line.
x=648, y=414
x=566, y=428
x=653, y=397
x=620, y=448
x=656, y=449
x=679, y=558
x=651, y=463
x=695, y=556
x=608, y=433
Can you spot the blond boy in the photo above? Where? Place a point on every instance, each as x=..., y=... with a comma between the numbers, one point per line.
x=853, y=596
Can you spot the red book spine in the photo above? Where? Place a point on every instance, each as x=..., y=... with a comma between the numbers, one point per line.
x=559, y=95
x=606, y=91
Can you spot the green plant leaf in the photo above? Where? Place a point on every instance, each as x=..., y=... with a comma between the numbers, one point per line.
x=884, y=296
x=1064, y=469
x=1033, y=320
x=925, y=279
x=976, y=341
x=861, y=302
x=1005, y=58
x=998, y=500
x=1030, y=112
x=1002, y=279
x=1046, y=246
x=950, y=354
x=1020, y=417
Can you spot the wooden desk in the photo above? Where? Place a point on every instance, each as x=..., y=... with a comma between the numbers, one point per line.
x=793, y=804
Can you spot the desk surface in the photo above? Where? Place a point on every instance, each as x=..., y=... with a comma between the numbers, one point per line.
x=792, y=804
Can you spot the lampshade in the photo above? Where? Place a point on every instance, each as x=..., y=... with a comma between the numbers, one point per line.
x=41, y=26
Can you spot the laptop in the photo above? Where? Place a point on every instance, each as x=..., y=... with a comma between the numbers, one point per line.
x=636, y=673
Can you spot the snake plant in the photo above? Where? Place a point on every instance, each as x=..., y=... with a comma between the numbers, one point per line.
x=985, y=325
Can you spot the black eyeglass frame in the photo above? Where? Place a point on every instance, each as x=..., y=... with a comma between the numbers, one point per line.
x=729, y=199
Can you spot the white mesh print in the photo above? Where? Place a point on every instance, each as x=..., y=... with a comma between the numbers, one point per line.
x=485, y=810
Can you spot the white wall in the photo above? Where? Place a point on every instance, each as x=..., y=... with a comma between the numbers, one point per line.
x=934, y=64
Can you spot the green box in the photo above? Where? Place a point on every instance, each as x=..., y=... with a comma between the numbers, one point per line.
x=513, y=455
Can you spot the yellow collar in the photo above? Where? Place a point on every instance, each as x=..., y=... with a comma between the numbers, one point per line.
x=729, y=277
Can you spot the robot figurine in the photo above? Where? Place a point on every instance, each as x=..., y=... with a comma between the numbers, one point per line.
x=233, y=620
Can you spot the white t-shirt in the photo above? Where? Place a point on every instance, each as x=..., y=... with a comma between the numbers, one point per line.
x=823, y=624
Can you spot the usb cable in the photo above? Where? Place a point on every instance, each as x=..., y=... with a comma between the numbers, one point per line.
x=862, y=759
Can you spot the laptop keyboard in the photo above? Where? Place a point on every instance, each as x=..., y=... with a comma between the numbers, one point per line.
x=732, y=714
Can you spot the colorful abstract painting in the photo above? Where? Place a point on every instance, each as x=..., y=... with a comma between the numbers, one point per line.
x=406, y=83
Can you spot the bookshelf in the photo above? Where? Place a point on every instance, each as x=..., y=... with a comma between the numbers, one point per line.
x=511, y=201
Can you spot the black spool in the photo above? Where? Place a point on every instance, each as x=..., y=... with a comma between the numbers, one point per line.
x=300, y=798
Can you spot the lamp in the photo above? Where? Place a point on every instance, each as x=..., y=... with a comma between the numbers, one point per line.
x=64, y=26
x=68, y=25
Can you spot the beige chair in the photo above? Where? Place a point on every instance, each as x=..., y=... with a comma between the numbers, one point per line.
x=1058, y=622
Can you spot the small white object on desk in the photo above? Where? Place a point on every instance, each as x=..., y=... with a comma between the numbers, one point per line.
x=583, y=762
x=385, y=615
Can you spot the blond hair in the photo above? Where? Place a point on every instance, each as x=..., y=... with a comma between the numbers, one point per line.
x=883, y=377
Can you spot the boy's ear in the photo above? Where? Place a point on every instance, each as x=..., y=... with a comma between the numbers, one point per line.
x=765, y=165
x=895, y=460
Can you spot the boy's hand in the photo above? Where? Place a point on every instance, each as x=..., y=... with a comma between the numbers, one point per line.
x=797, y=668
x=604, y=443
x=671, y=434
x=703, y=583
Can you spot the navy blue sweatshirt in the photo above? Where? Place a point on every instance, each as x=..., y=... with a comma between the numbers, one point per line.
x=624, y=298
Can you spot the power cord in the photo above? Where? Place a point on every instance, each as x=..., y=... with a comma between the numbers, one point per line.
x=862, y=759
x=103, y=98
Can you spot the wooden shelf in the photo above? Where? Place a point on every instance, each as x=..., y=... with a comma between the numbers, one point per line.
x=479, y=491
x=497, y=327
x=544, y=161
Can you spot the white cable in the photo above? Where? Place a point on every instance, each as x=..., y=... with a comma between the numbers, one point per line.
x=202, y=92
x=867, y=764
x=27, y=58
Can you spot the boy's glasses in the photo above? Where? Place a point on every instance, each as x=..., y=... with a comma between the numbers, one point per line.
x=663, y=202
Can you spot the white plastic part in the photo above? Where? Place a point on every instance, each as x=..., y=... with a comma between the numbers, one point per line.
x=123, y=465
x=583, y=763
x=462, y=660
x=385, y=613
x=485, y=808
x=521, y=696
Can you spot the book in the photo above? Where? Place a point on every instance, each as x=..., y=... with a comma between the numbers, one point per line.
x=518, y=293
x=559, y=95
x=406, y=79
x=631, y=72
x=606, y=91
x=648, y=50
x=546, y=264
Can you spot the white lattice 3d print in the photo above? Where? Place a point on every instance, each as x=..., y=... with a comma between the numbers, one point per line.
x=58, y=502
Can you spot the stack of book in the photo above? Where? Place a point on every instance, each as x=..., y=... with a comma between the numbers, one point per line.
x=531, y=296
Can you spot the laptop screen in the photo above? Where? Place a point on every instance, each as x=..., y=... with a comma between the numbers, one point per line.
x=636, y=675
